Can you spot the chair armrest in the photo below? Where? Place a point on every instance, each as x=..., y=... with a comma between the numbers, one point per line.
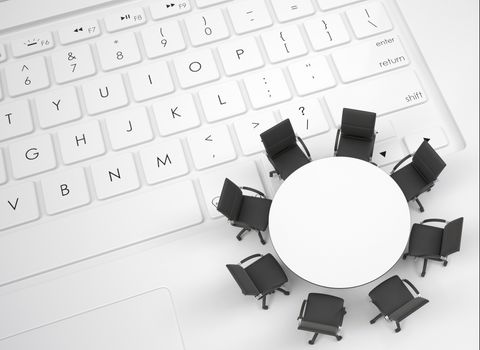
x=411, y=286
x=250, y=257
x=304, y=147
x=399, y=163
x=302, y=309
x=253, y=190
x=335, y=147
x=434, y=220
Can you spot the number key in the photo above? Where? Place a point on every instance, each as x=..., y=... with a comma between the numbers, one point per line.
x=163, y=39
x=207, y=27
x=73, y=63
x=26, y=76
x=118, y=51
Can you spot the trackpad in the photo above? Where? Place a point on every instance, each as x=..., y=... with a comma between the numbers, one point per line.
x=146, y=321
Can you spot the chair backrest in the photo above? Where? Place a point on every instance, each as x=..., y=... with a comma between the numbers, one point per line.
x=359, y=124
x=391, y=294
x=230, y=201
x=427, y=162
x=278, y=138
x=243, y=280
x=452, y=236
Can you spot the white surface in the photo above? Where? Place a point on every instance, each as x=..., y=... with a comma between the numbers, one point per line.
x=339, y=222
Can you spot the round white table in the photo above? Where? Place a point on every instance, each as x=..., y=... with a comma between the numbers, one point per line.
x=339, y=222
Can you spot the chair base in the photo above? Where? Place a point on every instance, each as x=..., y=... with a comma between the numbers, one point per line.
x=244, y=230
x=264, y=298
x=312, y=341
x=398, y=329
x=375, y=319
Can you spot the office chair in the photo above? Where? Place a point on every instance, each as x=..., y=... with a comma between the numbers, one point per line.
x=395, y=301
x=434, y=243
x=321, y=313
x=247, y=212
x=282, y=150
x=420, y=175
x=356, y=136
x=261, y=278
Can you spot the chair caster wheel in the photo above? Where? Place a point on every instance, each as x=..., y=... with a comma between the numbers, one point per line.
x=445, y=263
x=287, y=293
x=404, y=257
x=239, y=238
x=339, y=337
x=423, y=274
x=265, y=307
x=372, y=321
x=263, y=242
x=311, y=342
x=397, y=330
x=422, y=210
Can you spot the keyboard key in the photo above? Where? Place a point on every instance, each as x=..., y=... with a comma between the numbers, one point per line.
x=372, y=57
x=118, y=51
x=3, y=53
x=330, y=4
x=388, y=152
x=58, y=107
x=15, y=119
x=283, y=44
x=114, y=176
x=222, y=101
x=249, y=15
x=150, y=81
x=404, y=90
x=26, y=76
x=125, y=19
x=163, y=39
x=249, y=128
x=243, y=174
x=206, y=3
x=104, y=94
x=73, y=63
x=176, y=114
x=211, y=146
x=240, y=56
x=384, y=129
x=3, y=171
x=311, y=75
x=18, y=205
x=32, y=156
x=65, y=190
x=206, y=27
x=78, y=31
x=32, y=43
x=267, y=88
x=166, y=8
x=306, y=116
x=287, y=10
x=435, y=136
x=369, y=19
x=163, y=160
x=81, y=141
x=128, y=127
x=327, y=31
x=195, y=68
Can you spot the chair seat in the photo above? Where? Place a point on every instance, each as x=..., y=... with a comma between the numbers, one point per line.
x=355, y=148
x=425, y=240
x=324, y=309
x=289, y=160
x=254, y=212
x=407, y=309
x=390, y=295
x=410, y=181
x=317, y=327
x=267, y=274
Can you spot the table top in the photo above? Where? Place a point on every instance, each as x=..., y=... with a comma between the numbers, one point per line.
x=339, y=222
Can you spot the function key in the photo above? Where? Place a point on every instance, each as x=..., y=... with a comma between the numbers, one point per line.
x=3, y=53
x=79, y=31
x=125, y=19
x=166, y=8
x=32, y=43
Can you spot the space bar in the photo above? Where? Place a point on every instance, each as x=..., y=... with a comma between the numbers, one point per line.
x=76, y=236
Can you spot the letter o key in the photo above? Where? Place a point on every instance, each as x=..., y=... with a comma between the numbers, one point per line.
x=195, y=66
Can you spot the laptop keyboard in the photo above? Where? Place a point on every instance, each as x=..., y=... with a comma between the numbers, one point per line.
x=121, y=100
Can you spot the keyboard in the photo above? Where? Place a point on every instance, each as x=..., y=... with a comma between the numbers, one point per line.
x=120, y=124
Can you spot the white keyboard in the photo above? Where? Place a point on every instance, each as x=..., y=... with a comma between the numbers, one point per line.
x=148, y=106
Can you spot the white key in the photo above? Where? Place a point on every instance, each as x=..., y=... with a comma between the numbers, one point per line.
x=388, y=152
x=18, y=205
x=163, y=160
x=150, y=81
x=306, y=116
x=58, y=107
x=79, y=31
x=206, y=27
x=114, y=176
x=283, y=44
x=287, y=10
x=163, y=39
x=330, y=4
x=404, y=90
x=125, y=19
x=369, y=19
x=240, y=56
x=26, y=76
x=3, y=53
x=248, y=129
x=267, y=88
x=118, y=51
x=435, y=136
x=211, y=146
x=384, y=129
x=371, y=58
x=3, y=171
x=65, y=190
x=104, y=94
x=327, y=31
x=206, y=3
x=15, y=119
x=81, y=141
x=222, y=101
x=166, y=8
x=32, y=156
x=311, y=75
x=128, y=127
x=195, y=68
x=249, y=15
x=32, y=43
x=176, y=114
x=242, y=174
x=73, y=63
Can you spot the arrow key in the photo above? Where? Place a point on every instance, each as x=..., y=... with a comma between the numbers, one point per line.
x=389, y=152
x=435, y=136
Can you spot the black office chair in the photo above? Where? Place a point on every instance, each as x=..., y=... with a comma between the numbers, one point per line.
x=261, y=278
x=434, y=243
x=395, y=301
x=356, y=136
x=247, y=212
x=420, y=175
x=282, y=150
x=321, y=313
